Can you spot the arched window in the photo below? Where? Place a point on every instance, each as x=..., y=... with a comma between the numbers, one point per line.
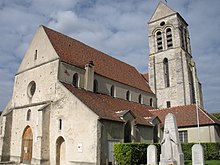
x=151, y=102
x=166, y=72
x=28, y=115
x=128, y=96
x=191, y=83
x=186, y=40
x=113, y=91
x=159, y=41
x=140, y=99
x=95, y=86
x=75, y=81
x=182, y=42
x=169, y=38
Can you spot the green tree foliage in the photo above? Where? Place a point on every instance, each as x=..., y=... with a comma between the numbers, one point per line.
x=217, y=115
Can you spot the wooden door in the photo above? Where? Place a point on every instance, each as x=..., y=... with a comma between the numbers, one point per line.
x=27, y=144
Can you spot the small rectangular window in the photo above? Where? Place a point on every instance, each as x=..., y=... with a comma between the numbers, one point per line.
x=168, y=104
x=183, y=136
x=35, y=55
x=60, y=124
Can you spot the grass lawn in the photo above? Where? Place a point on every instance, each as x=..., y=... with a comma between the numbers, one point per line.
x=207, y=162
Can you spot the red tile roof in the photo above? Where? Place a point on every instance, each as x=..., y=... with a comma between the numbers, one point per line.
x=186, y=116
x=107, y=107
x=78, y=54
x=146, y=77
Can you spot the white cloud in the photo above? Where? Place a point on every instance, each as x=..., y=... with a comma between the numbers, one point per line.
x=69, y=22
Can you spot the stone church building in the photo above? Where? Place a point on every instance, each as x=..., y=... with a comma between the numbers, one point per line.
x=71, y=103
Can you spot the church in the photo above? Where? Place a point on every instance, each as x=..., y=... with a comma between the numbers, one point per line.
x=71, y=103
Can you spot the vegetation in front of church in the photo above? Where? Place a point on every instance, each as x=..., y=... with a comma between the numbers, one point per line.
x=217, y=115
x=207, y=162
x=130, y=153
x=211, y=151
x=136, y=153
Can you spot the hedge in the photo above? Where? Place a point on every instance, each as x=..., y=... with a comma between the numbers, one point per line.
x=211, y=151
x=130, y=153
x=136, y=153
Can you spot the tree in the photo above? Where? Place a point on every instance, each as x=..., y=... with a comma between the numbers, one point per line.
x=217, y=115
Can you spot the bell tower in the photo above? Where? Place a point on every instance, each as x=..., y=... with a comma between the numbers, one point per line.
x=172, y=72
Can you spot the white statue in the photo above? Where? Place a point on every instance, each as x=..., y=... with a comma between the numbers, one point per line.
x=167, y=149
x=171, y=151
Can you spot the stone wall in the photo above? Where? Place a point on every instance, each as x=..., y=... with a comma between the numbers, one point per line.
x=144, y=134
x=6, y=146
x=179, y=92
x=67, y=71
x=111, y=132
x=78, y=129
x=207, y=134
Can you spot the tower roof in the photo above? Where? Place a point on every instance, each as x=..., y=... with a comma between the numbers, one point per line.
x=162, y=11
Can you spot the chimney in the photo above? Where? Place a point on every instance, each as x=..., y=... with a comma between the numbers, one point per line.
x=89, y=76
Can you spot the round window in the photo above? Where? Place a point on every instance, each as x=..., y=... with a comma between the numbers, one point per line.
x=162, y=23
x=31, y=88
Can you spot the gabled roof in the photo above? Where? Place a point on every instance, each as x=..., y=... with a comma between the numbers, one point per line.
x=162, y=11
x=107, y=107
x=186, y=116
x=78, y=54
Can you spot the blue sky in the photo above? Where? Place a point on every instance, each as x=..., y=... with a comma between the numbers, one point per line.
x=116, y=27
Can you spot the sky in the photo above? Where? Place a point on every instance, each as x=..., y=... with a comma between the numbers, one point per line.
x=116, y=27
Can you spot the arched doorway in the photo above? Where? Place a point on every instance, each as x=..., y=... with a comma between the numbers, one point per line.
x=27, y=144
x=60, y=151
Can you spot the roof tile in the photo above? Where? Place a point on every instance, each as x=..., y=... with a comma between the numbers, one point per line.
x=107, y=107
x=78, y=54
x=186, y=115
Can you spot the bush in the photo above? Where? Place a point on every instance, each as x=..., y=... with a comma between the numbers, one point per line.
x=187, y=150
x=211, y=151
x=136, y=153
x=130, y=153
